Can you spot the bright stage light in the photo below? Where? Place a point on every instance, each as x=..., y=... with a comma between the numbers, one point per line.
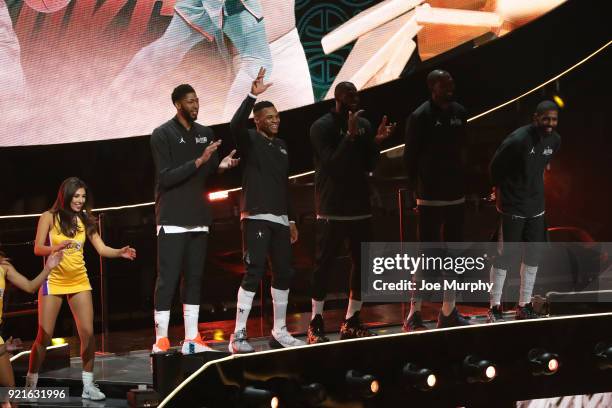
x=364, y=385
x=420, y=378
x=258, y=397
x=218, y=195
x=478, y=370
x=543, y=362
x=58, y=341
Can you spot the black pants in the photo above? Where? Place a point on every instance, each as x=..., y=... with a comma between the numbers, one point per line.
x=438, y=224
x=515, y=229
x=330, y=236
x=184, y=251
x=261, y=239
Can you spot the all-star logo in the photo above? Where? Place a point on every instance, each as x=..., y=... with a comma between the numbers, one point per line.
x=455, y=122
x=202, y=139
x=283, y=151
x=548, y=151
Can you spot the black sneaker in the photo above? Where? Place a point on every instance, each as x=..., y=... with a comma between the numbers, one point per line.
x=316, y=331
x=525, y=312
x=414, y=323
x=452, y=320
x=352, y=328
x=495, y=314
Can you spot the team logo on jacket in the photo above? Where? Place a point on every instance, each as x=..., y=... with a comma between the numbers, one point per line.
x=548, y=151
x=202, y=139
x=283, y=151
x=455, y=122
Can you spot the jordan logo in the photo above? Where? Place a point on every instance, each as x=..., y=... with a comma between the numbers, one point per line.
x=532, y=150
x=240, y=310
x=259, y=234
x=438, y=123
x=182, y=140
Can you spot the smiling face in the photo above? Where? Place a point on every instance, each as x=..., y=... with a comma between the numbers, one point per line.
x=267, y=121
x=188, y=107
x=78, y=200
x=546, y=122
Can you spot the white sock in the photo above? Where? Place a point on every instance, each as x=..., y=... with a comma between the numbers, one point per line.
x=161, y=318
x=190, y=317
x=353, y=306
x=243, y=307
x=317, y=308
x=31, y=380
x=528, y=277
x=280, y=298
x=497, y=277
x=448, y=303
x=415, y=306
x=87, y=378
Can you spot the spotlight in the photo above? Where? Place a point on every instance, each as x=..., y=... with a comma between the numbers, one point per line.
x=313, y=395
x=366, y=386
x=477, y=370
x=257, y=397
x=603, y=355
x=420, y=378
x=543, y=362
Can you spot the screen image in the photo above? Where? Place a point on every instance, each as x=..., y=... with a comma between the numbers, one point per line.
x=85, y=70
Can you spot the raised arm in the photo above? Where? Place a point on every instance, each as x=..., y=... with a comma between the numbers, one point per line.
x=239, y=125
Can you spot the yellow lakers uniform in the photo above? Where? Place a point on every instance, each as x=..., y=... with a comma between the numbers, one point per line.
x=70, y=276
x=2, y=287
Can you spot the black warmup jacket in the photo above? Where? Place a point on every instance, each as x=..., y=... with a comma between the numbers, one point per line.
x=265, y=167
x=435, y=140
x=180, y=187
x=517, y=170
x=342, y=166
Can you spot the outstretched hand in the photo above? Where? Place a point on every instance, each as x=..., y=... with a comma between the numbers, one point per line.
x=229, y=162
x=258, y=87
x=385, y=129
x=128, y=253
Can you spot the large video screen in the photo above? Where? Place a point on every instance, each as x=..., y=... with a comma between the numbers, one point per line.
x=83, y=70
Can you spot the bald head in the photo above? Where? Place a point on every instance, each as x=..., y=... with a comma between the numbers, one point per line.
x=442, y=87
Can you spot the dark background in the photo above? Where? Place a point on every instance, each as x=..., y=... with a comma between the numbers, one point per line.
x=120, y=171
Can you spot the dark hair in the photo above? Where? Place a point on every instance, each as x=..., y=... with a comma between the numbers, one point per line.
x=343, y=87
x=180, y=91
x=546, y=106
x=262, y=105
x=63, y=213
x=436, y=76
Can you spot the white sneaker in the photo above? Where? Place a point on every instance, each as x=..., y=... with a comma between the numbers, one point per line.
x=239, y=344
x=282, y=339
x=92, y=392
x=196, y=345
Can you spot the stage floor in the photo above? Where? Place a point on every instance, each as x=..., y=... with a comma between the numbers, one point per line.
x=126, y=360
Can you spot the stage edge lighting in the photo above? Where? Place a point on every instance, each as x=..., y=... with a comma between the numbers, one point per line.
x=420, y=378
x=257, y=397
x=364, y=385
x=478, y=370
x=543, y=362
x=603, y=355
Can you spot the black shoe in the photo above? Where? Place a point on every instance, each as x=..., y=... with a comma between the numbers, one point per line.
x=452, y=320
x=316, y=331
x=414, y=323
x=525, y=312
x=495, y=314
x=352, y=328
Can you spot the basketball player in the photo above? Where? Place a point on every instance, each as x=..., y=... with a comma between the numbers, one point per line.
x=517, y=171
